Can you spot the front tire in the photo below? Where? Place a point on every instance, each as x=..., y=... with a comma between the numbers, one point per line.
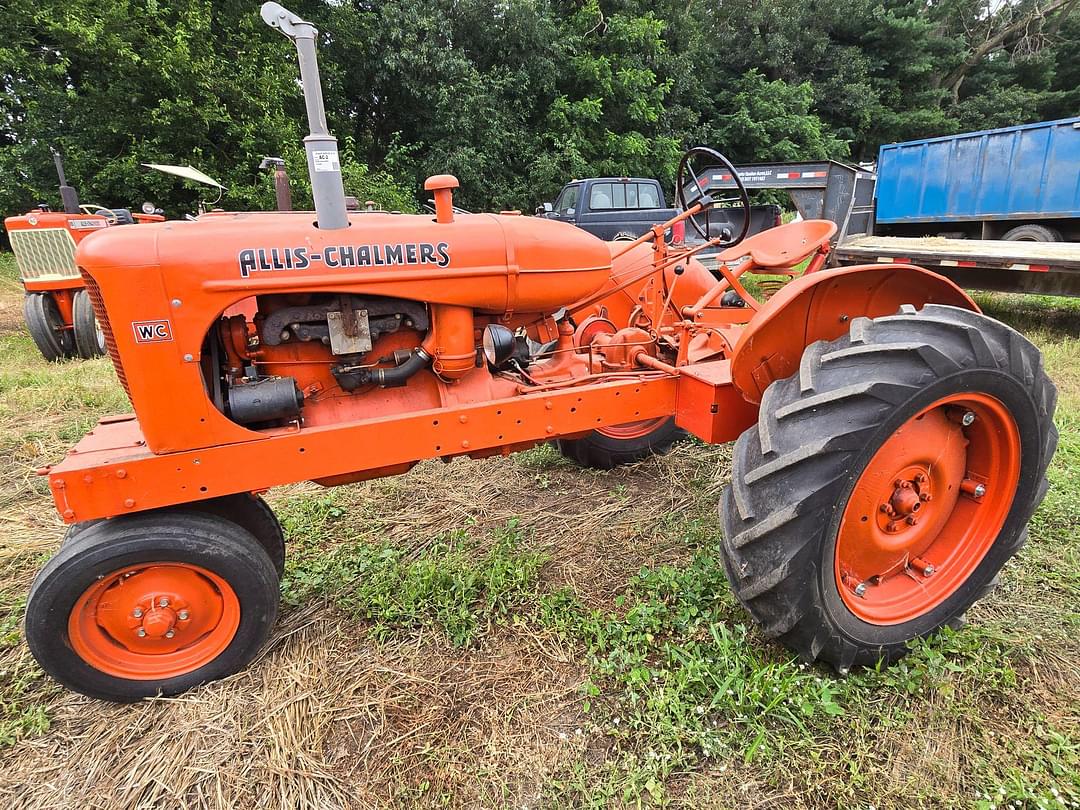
x=245, y=509
x=89, y=337
x=46, y=326
x=887, y=482
x=150, y=605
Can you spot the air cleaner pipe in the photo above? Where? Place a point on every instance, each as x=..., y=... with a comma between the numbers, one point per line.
x=399, y=375
x=324, y=167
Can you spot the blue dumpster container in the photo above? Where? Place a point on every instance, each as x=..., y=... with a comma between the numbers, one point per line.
x=1029, y=172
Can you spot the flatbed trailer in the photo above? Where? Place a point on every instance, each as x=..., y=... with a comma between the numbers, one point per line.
x=1050, y=268
x=846, y=195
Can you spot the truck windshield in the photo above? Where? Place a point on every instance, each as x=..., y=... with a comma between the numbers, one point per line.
x=615, y=196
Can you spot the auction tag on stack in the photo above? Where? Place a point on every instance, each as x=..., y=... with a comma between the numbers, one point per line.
x=325, y=161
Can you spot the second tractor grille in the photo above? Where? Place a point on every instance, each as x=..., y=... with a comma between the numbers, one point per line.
x=44, y=254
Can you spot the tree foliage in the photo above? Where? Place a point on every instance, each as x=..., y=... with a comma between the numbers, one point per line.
x=512, y=96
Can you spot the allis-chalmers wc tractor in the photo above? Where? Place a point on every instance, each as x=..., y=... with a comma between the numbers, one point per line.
x=892, y=441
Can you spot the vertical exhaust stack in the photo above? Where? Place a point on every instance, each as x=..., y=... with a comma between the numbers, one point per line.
x=282, y=190
x=68, y=195
x=324, y=167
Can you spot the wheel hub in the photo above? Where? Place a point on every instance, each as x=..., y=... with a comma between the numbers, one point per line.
x=907, y=497
x=158, y=622
x=154, y=621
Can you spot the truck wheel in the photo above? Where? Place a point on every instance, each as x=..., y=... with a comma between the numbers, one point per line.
x=611, y=447
x=1032, y=233
x=89, y=339
x=46, y=326
x=244, y=509
x=887, y=482
x=153, y=604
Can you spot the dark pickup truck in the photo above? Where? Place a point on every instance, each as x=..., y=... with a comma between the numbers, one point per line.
x=626, y=207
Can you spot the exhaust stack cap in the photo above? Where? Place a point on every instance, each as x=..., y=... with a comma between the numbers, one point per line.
x=324, y=166
x=443, y=186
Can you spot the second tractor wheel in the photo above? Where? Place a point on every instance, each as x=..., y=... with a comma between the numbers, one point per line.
x=611, y=447
x=152, y=604
x=887, y=482
x=89, y=338
x=46, y=326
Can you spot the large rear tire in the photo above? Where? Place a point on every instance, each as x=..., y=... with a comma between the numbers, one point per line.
x=153, y=604
x=887, y=482
x=89, y=337
x=612, y=447
x=46, y=326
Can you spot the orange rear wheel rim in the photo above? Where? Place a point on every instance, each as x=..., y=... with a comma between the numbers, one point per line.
x=154, y=620
x=927, y=508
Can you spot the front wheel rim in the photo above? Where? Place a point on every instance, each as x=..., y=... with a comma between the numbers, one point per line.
x=927, y=508
x=154, y=621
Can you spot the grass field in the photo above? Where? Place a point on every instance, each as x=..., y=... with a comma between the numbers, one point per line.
x=521, y=633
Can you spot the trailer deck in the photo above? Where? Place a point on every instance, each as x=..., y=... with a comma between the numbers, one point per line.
x=1051, y=268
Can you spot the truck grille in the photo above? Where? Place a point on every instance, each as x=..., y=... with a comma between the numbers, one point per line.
x=44, y=254
x=103, y=321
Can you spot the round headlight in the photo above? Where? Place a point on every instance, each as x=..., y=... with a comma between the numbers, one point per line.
x=498, y=344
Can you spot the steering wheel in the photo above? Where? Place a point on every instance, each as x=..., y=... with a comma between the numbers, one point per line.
x=686, y=180
x=101, y=211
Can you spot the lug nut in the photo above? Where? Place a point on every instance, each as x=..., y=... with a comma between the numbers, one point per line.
x=137, y=613
x=973, y=488
x=920, y=478
x=912, y=520
x=922, y=566
x=891, y=526
x=182, y=615
x=925, y=496
x=164, y=602
x=140, y=632
x=967, y=418
x=860, y=589
x=169, y=634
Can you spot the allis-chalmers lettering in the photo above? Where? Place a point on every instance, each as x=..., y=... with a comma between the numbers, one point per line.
x=262, y=260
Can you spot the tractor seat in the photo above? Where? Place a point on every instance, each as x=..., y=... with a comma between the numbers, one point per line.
x=782, y=247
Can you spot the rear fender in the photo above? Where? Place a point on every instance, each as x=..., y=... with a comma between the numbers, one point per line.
x=821, y=306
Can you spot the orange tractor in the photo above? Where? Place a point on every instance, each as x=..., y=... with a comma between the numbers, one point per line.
x=57, y=310
x=892, y=442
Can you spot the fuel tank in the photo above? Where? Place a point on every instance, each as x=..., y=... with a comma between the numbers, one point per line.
x=493, y=263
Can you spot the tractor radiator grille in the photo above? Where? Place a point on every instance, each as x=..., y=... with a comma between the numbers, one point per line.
x=106, y=329
x=44, y=254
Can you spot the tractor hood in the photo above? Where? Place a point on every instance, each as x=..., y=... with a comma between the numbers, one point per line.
x=494, y=263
